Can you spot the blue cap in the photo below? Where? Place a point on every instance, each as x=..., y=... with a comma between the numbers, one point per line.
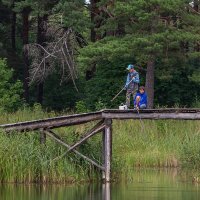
x=130, y=67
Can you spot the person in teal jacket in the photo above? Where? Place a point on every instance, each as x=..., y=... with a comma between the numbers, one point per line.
x=131, y=84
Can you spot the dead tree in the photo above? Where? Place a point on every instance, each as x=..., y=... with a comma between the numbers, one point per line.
x=56, y=54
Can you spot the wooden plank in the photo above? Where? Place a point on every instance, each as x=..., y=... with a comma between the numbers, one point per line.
x=52, y=122
x=92, y=130
x=153, y=116
x=59, y=140
x=56, y=122
x=160, y=110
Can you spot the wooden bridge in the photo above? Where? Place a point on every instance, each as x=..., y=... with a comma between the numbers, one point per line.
x=104, y=126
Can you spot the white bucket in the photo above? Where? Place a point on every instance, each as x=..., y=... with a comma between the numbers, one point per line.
x=123, y=107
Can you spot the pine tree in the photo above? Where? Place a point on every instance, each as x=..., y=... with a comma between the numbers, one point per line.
x=154, y=30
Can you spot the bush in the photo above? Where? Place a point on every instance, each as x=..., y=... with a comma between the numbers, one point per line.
x=81, y=107
x=196, y=103
x=10, y=92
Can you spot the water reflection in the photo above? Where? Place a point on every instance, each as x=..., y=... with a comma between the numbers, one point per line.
x=106, y=191
x=141, y=184
x=55, y=192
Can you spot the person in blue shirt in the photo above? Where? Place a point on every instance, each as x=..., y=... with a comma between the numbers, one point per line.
x=131, y=85
x=140, y=100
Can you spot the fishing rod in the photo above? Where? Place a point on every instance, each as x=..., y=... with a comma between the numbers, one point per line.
x=122, y=90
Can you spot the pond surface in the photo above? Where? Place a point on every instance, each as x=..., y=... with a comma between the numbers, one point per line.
x=140, y=185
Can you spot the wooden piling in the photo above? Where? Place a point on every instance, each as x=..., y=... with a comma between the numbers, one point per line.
x=108, y=147
x=103, y=154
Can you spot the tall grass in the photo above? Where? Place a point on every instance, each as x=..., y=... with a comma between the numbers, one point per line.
x=160, y=144
x=24, y=159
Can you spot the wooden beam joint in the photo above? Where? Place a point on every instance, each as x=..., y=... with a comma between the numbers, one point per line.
x=57, y=138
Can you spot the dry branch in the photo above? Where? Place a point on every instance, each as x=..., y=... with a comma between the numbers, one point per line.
x=57, y=54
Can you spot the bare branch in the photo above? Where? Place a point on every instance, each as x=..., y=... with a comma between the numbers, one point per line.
x=56, y=54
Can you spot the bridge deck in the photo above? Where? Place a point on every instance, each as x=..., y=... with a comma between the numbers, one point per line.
x=179, y=114
x=69, y=120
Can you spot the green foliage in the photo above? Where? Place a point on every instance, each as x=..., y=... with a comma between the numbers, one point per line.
x=108, y=81
x=190, y=153
x=131, y=32
x=61, y=96
x=196, y=103
x=152, y=29
x=100, y=105
x=21, y=5
x=23, y=159
x=37, y=7
x=81, y=107
x=161, y=144
x=70, y=11
x=176, y=86
x=10, y=92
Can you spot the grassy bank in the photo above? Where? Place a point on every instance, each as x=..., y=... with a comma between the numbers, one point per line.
x=159, y=144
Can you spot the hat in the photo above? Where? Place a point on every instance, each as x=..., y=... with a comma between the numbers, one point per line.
x=130, y=67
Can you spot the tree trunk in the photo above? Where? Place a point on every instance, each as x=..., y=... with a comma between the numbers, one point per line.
x=13, y=28
x=196, y=5
x=41, y=39
x=40, y=93
x=25, y=16
x=196, y=8
x=150, y=82
x=94, y=13
x=92, y=16
x=120, y=29
x=42, y=29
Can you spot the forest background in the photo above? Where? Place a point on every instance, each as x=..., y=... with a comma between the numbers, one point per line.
x=73, y=54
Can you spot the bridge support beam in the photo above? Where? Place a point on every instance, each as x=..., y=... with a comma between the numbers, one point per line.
x=107, y=151
x=42, y=136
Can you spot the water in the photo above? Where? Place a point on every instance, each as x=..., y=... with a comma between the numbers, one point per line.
x=140, y=185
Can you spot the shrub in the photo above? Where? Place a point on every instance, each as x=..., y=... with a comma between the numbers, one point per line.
x=81, y=107
x=10, y=92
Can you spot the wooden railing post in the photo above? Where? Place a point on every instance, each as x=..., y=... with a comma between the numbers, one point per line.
x=103, y=154
x=107, y=149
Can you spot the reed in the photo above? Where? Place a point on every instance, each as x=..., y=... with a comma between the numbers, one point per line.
x=160, y=144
